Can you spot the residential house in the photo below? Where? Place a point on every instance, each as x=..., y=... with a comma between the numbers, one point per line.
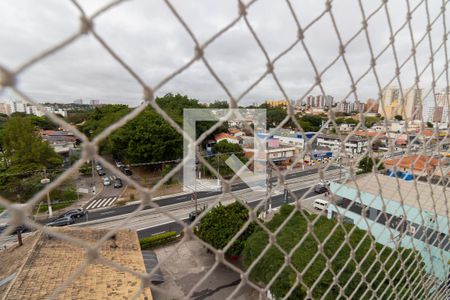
x=226, y=137
x=415, y=164
x=352, y=144
x=60, y=140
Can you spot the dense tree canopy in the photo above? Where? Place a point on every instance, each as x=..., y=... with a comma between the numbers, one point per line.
x=23, y=146
x=24, y=157
x=366, y=251
x=366, y=164
x=222, y=223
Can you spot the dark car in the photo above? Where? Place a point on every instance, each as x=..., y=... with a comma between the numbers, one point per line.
x=118, y=183
x=126, y=171
x=320, y=189
x=61, y=221
x=193, y=215
x=101, y=172
x=74, y=213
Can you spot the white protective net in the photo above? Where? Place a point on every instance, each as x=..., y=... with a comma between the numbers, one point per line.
x=402, y=251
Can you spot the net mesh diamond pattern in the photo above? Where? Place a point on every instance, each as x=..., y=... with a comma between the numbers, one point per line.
x=370, y=270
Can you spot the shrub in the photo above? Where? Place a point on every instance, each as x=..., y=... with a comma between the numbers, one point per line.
x=158, y=239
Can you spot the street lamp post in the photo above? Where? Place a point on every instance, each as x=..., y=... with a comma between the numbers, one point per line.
x=50, y=212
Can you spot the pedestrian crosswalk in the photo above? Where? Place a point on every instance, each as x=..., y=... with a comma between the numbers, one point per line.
x=101, y=202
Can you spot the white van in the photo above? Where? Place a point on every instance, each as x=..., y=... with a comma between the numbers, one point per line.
x=320, y=204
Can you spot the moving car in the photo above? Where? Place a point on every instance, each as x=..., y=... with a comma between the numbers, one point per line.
x=74, y=213
x=61, y=221
x=118, y=183
x=320, y=204
x=106, y=181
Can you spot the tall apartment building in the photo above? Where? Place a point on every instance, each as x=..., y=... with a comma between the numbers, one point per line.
x=319, y=101
x=94, y=102
x=277, y=103
x=348, y=107
x=406, y=103
x=440, y=113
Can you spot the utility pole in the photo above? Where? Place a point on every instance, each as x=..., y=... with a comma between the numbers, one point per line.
x=218, y=171
x=268, y=205
x=93, y=176
x=194, y=194
x=44, y=181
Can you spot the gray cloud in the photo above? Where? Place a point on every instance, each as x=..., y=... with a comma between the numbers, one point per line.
x=147, y=36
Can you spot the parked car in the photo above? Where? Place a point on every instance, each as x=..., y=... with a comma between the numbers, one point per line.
x=61, y=221
x=118, y=183
x=320, y=204
x=119, y=164
x=74, y=213
x=98, y=167
x=106, y=181
x=126, y=171
x=320, y=189
x=101, y=172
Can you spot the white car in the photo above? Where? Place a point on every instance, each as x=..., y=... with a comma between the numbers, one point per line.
x=320, y=204
x=98, y=167
x=106, y=181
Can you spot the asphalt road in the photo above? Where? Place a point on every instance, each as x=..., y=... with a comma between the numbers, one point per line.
x=277, y=201
x=115, y=211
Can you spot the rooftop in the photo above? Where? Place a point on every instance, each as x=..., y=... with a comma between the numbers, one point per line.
x=49, y=262
x=419, y=162
x=224, y=135
x=399, y=190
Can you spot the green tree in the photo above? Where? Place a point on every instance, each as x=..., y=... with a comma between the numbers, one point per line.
x=218, y=104
x=275, y=115
x=359, y=248
x=310, y=122
x=24, y=148
x=101, y=117
x=366, y=164
x=429, y=124
x=43, y=123
x=225, y=147
x=398, y=117
x=147, y=138
x=86, y=169
x=222, y=223
x=370, y=121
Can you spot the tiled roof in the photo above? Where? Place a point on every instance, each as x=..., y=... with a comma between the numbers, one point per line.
x=370, y=133
x=51, y=262
x=420, y=162
x=224, y=135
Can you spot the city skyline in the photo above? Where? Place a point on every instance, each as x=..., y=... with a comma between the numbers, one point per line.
x=159, y=45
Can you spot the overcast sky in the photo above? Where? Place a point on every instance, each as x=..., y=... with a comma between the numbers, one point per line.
x=151, y=40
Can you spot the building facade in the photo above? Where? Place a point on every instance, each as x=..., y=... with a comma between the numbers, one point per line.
x=375, y=205
x=348, y=107
x=352, y=144
x=319, y=101
x=406, y=103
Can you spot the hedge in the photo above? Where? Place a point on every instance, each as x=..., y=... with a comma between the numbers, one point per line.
x=158, y=239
